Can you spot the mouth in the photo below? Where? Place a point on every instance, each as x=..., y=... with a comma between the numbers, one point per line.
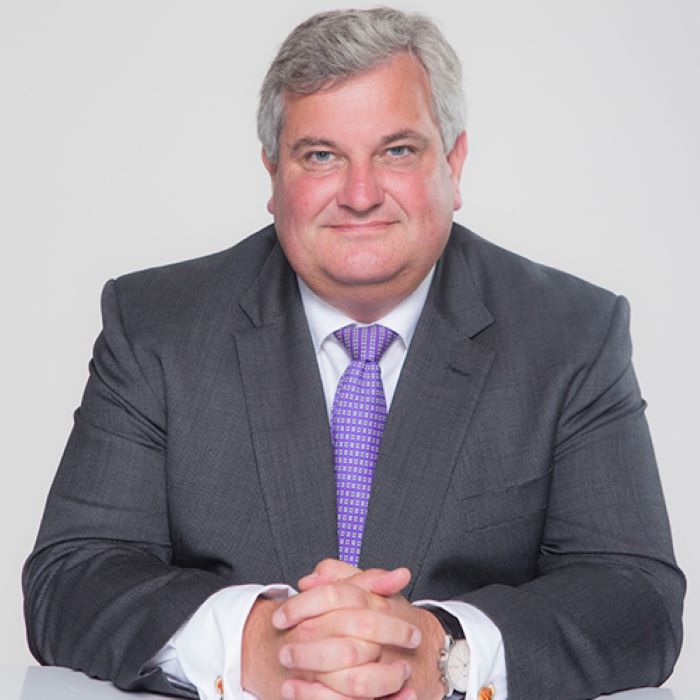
x=360, y=226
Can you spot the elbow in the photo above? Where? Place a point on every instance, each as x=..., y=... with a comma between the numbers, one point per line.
x=672, y=595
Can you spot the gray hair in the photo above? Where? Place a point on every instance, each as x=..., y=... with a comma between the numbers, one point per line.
x=333, y=46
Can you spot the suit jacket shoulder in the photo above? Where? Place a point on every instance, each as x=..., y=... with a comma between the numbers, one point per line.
x=187, y=295
x=511, y=281
x=530, y=301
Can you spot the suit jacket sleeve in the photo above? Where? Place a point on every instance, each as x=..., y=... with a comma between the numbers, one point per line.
x=603, y=611
x=101, y=593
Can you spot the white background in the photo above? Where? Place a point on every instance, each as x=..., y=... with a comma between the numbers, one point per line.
x=127, y=140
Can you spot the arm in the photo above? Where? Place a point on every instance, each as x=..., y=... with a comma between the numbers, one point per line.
x=603, y=610
x=101, y=592
x=206, y=651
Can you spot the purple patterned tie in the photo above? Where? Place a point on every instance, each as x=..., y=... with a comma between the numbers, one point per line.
x=357, y=424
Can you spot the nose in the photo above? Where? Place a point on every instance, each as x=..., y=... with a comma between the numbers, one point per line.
x=360, y=191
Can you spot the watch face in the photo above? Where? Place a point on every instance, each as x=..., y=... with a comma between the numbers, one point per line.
x=457, y=666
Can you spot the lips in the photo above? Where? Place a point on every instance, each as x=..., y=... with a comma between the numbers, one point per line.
x=360, y=226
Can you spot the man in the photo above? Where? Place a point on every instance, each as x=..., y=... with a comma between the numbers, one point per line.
x=370, y=403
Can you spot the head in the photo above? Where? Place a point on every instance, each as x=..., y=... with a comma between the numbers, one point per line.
x=361, y=120
x=330, y=47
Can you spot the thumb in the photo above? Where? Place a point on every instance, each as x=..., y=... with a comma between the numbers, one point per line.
x=382, y=582
x=327, y=571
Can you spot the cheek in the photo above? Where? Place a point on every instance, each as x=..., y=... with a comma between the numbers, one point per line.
x=424, y=198
x=298, y=204
x=301, y=199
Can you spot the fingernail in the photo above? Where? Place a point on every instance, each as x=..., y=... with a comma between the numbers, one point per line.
x=406, y=671
x=279, y=619
x=415, y=638
x=285, y=657
x=287, y=691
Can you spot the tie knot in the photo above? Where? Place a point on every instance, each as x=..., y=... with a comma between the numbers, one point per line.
x=366, y=343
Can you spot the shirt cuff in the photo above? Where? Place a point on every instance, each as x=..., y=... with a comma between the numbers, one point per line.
x=209, y=645
x=487, y=665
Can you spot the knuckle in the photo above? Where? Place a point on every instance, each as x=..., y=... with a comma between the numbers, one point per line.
x=323, y=656
x=366, y=626
x=325, y=565
x=332, y=595
x=352, y=653
x=382, y=604
x=307, y=630
x=357, y=685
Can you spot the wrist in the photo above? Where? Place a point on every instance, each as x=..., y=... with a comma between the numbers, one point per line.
x=455, y=656
x=432, y=645
x=258, y=652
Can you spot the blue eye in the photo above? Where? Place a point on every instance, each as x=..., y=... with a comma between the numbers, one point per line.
x=321, y=156
x=398, y=151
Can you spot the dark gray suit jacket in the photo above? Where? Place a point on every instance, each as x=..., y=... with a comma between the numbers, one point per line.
x=516, y=471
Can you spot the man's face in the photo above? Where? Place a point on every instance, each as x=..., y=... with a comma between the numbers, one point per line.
x=363, y=192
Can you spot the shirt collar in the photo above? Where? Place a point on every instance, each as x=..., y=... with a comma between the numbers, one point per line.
x=324, y=319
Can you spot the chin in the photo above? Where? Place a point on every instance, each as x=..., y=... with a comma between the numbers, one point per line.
x=364, y=275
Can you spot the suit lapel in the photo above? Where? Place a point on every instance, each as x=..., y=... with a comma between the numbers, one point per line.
x=442, y=377
x=288, y=420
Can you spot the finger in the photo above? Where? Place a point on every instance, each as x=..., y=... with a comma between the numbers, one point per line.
x=403, y=694
x=304, y=690
x=368, y=625
x=374, y=680
x=331, y=654
x=319, y=601
x=312, y=580
x=327, y=571
x=380, y=582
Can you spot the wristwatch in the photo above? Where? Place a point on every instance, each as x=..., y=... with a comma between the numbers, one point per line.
x=454, y=656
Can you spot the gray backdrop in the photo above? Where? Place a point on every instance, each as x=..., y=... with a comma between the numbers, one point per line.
x=127, y=140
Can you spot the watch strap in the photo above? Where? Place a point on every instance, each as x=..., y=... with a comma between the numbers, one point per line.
x=449, y=622
x=453, y=631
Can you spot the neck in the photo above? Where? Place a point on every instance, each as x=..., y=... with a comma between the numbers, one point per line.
x=364, y=304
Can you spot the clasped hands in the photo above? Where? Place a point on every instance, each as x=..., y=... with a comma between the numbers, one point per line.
x=348, y=635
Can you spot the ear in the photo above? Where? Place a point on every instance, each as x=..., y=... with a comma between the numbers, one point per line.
x=455, y=160
x=269, y=165
x=271, y=169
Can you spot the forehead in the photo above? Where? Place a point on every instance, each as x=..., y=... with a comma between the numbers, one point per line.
x=392, y=97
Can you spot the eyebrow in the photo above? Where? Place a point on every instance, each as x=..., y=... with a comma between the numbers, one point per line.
x=307, y=142
x=404, y=135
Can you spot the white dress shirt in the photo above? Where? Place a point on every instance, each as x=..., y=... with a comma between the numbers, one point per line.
x=209, y=644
